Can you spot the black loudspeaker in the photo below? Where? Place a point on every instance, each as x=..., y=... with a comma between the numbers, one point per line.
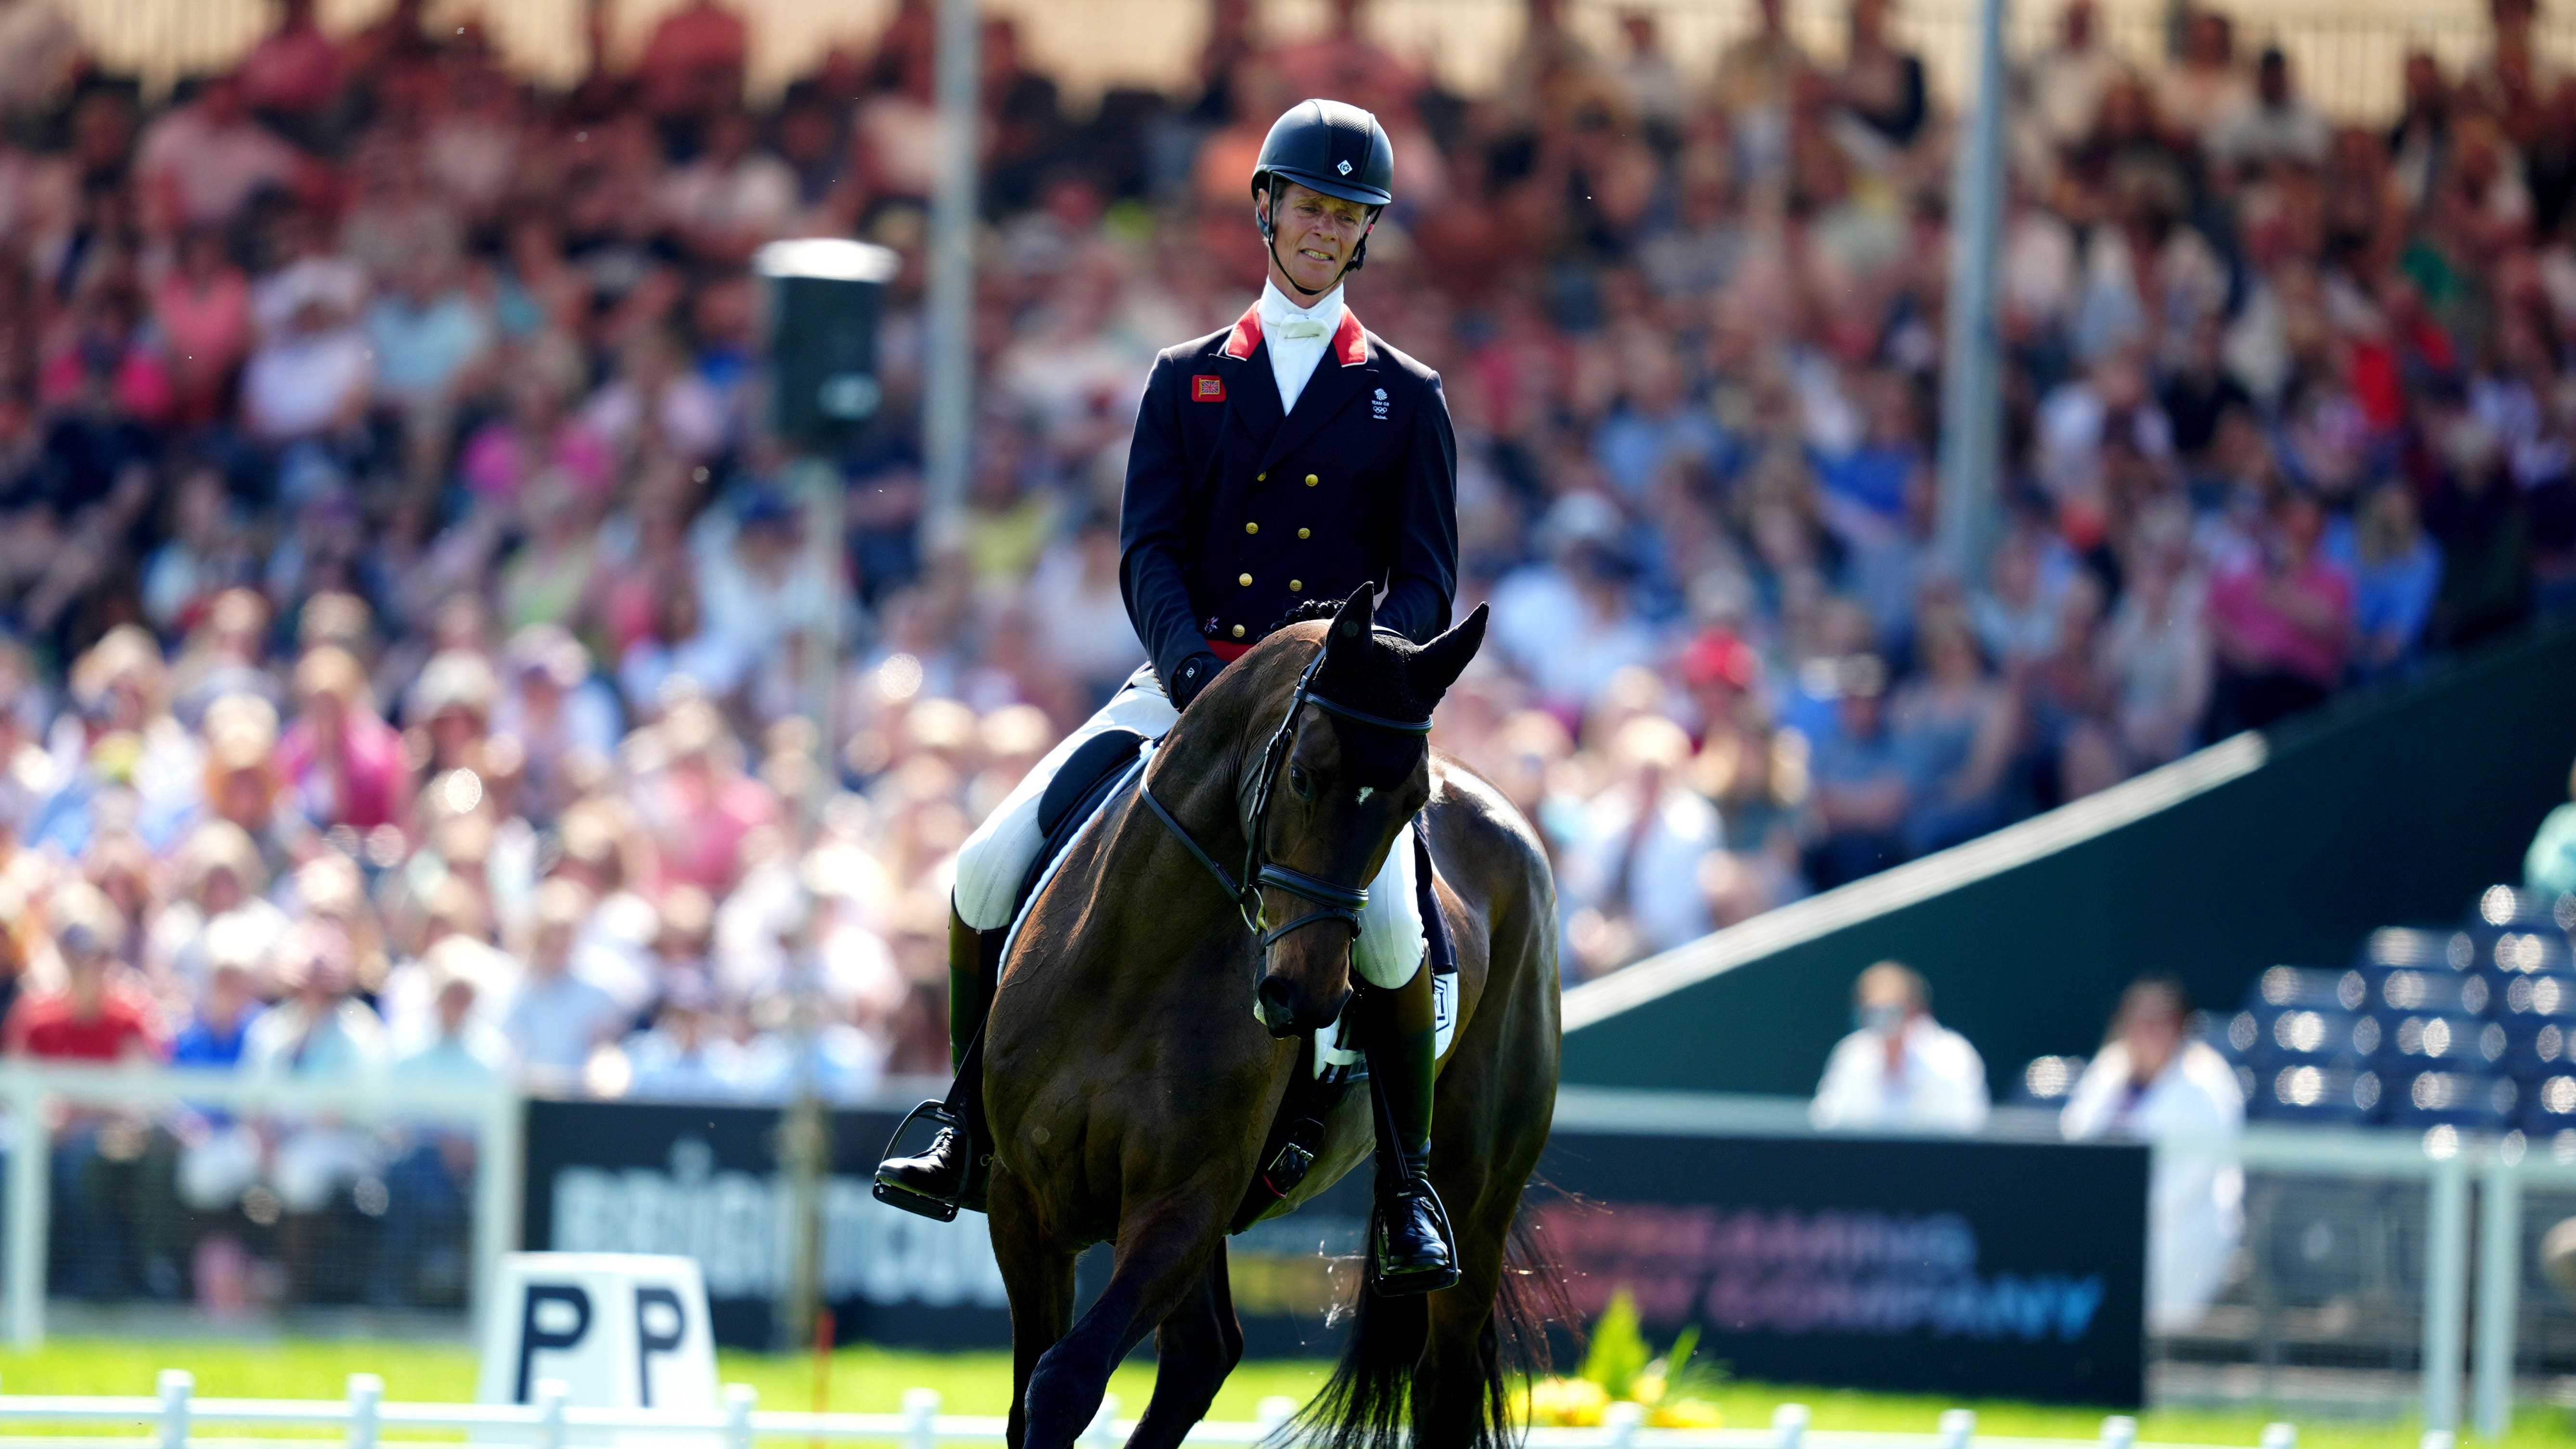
x=824, y=297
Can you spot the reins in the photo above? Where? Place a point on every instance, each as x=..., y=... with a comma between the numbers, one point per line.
x=1332, y=900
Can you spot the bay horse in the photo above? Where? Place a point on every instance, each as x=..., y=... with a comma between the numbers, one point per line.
x=1129, y=1084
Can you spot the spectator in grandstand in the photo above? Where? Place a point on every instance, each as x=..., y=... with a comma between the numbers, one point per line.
x=2550, y=864
x=1858, y=780
x=2273, y=126
x=686, y=1056
x=1628, y=876
x=98, y=1013
x=1953, y=728
x=339, y=762
x=2156, y=1082
x=558, y=1016
x=111, y=1169
x=2281, y=617
x=219, y=1026
x=2396, y=573
x=1899, y=1070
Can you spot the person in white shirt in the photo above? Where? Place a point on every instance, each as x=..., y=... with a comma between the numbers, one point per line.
x=2155, y=1083
x=1899, y=1070
x=559, y=1017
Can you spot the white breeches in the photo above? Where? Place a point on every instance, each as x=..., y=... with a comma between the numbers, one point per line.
x=993, y=861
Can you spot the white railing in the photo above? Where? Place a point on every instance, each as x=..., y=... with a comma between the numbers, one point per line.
x=174, y=1417
x=31, y=1092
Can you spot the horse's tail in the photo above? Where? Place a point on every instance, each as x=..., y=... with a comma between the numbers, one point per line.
x=1367, y=1402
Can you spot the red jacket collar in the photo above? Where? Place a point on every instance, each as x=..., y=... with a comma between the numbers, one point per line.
x=1350, y=340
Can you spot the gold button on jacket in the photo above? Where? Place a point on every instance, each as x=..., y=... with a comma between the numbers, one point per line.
x=1252, y=528
x=1238, y=631
x=1312, y=480
x=1244, y=579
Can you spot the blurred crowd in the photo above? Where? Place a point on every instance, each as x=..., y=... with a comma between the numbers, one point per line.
x=410, y=632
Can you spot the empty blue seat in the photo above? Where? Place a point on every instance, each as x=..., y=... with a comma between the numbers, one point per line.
x=2549, y=1105
x=2445, y=1040
x=2513, y=906
x=2047, y=1081
x=2302, y=1034
x=2471, y=1100
x=2308, y=986
x=2408, y=990
x=2314, y=1092
x=2418, y=947
x=2504, y=954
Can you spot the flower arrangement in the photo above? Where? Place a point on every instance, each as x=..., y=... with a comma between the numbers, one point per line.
x=1620, y=1366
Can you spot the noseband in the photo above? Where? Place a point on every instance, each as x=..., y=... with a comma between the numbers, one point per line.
x=1332, y=900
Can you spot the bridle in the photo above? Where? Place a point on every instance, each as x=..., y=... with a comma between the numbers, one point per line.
x=1332, y=900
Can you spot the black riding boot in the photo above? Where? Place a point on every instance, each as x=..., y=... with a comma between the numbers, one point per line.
x=947, y=1174
x=1412, y=1252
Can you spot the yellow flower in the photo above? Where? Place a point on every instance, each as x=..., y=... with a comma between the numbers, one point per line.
x=1646, y=1388
x=1567, y=1403
x=1687, y=1414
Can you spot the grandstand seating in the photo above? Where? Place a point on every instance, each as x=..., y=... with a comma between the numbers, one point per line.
x=2468, y=1027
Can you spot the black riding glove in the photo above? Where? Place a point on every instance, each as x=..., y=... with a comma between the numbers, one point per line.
x=1191, y=677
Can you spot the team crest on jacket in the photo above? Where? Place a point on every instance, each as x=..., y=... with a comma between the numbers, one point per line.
x=1378, y=404
x=1208, y=387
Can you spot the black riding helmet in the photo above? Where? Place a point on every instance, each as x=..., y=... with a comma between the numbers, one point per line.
x=1327, y=146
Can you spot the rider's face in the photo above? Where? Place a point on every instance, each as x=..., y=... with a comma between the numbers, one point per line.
x=1316, y=235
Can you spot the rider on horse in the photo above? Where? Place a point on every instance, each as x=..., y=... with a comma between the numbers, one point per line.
x=1289, y=458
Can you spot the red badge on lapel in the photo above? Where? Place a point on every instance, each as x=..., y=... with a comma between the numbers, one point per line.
x=1207, y=387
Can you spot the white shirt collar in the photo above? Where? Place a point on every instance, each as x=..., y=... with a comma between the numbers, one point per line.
x=1276, y=308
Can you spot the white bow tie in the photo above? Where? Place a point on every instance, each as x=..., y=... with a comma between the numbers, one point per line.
x=1302, y=327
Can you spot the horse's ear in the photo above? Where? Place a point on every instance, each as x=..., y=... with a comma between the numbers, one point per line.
x=1440, y=662
x=1352, y=624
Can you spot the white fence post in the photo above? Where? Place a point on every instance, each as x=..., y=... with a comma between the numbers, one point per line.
x=2119, y=1431
x=2499, y=1294
x=177, y=1385
x=2280, y=1435
x=1958, y=1426
x=921, y=1415
x=498, y=1166
x=739, y=1401
x=553, y=1396
x=366, y=1393
x=1788, y=1426
x=2446, y=1275
x=1103, y=1433
x=30, y=1205
x=1619, y=1426
x=1272, y=1417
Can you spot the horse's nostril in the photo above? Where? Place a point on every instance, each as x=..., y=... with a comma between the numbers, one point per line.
x=1276, y=1003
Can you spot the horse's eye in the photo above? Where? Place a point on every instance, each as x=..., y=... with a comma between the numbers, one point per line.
x=1301, y=782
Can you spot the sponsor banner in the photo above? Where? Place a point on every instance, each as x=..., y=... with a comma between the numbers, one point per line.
x=701, y=1182
x=2006, y=1269
x=1967, y=1267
